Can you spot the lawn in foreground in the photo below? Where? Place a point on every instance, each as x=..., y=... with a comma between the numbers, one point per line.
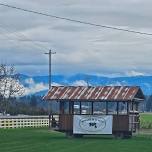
x=43, y=140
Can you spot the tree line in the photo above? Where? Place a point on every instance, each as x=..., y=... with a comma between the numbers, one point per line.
x=27, y=105
x=148, y=103
x=13, y=102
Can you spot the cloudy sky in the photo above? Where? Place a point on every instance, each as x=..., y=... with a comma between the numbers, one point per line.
x=80, y=48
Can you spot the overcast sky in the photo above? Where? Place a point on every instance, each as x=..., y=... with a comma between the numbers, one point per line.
x=80, y=48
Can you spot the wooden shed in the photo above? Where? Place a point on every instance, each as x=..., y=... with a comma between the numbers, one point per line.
x=96, y=109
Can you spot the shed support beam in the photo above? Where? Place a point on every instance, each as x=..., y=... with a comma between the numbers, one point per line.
x=117, y=108
x=71, y=107
x=127, y=108
x=106, y=108
x=92, y=107
x=61, y=107
x=80, y=108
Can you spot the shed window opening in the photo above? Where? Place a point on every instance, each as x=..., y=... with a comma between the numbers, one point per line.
x=112, y=107
x=122, y=107
x=76, y=107
x=66, y=107
x=55, y=107
x=86, y=108
x=99, y=108
x=133, y=107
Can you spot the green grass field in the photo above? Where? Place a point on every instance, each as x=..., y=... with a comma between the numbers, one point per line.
x=146, y=116
x=43, y=140
x=146, y=120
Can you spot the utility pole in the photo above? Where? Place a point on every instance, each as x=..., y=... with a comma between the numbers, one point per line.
x=50, y=81
x=50, y=66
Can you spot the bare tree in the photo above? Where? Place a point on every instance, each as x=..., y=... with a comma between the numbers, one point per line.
x=10, y=85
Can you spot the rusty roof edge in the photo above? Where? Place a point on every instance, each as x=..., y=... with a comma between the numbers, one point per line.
x=134, y=97
x=137, y=89
x=45, y=95
x=90, y=100
x=98, y=86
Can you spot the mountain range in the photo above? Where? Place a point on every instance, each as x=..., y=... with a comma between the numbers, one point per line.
x=39, y=84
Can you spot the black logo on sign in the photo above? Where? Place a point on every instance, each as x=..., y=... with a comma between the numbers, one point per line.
x=92, y=124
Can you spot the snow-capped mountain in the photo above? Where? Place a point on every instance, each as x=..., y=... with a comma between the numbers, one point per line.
x=39, y=84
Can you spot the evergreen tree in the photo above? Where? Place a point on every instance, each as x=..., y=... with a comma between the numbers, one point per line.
x=149, y=104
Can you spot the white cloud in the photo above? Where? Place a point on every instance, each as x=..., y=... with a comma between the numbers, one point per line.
x=118, y=83
x=56, y=84
x=134, y=73
x=34, y=87
x=30, y=81
x=80, y=83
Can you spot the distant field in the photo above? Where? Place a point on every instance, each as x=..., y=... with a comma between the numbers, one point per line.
x=43, y=140
x=146, y=116
x=146, y=120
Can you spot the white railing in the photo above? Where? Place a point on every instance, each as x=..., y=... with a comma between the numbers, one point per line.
x=23, y=121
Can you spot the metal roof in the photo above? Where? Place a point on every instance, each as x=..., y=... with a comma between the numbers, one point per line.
x=110, y=93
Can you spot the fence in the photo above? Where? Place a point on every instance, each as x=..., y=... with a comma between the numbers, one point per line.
x=23, y=121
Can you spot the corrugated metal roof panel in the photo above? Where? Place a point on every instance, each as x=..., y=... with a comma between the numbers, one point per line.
x=110, y=93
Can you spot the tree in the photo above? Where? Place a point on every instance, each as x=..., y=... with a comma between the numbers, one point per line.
x=33, y=101
x=10, y=85
x=149, y=104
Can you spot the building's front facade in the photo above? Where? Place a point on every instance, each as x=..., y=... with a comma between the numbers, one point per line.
x=97, y=110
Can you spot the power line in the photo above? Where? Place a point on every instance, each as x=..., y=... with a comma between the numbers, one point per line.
x=76, y=21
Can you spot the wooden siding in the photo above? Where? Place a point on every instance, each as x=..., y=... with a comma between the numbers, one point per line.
x=66, y=122
x=120, y=123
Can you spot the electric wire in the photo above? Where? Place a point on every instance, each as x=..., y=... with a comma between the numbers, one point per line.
x=76, y=21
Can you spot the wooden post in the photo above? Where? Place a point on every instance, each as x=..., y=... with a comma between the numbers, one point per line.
x=106, y=108
x=132, y=106
x=70, y=110
x=61, y=107
x=137, y=106
x=127, y=108
x=71, y=107
x=49, y=121
x=80, y=108
x=117, y=107
x=50, y=114
x=92, y=107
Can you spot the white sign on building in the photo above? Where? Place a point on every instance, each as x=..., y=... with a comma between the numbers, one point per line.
x=92, y=124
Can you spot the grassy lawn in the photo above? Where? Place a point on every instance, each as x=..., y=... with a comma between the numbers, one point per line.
x=43, y=140
x=146, y=116
x=146, y=120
